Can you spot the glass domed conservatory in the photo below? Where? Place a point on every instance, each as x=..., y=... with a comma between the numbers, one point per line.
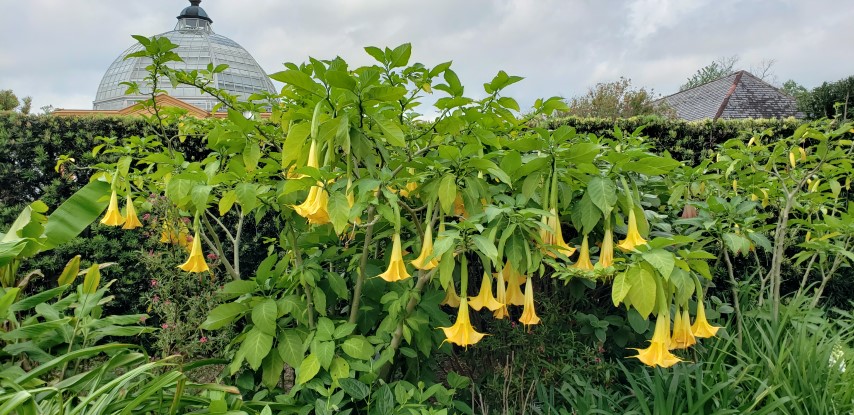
x=198, y=46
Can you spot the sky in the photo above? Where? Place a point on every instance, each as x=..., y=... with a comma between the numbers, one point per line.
x=57, y=50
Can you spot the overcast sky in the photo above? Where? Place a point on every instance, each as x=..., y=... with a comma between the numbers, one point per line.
x=57, y=50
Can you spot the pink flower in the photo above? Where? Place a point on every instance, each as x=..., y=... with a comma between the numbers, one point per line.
x=146, y=216
x=153, y=283
x=186, y=219
x=203, y=339
x=212, y=256
x=164, y=326
x=155, y=299
x=142, y=319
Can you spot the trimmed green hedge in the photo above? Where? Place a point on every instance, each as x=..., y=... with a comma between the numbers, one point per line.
x=688, y=141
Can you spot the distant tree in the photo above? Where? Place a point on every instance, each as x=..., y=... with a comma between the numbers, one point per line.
x=798, y=91
x=617, y=99
x=764, y=71
x=47, y=109
x=831, y=99
x=720, y=68
x=26, y=105
x=8, y=100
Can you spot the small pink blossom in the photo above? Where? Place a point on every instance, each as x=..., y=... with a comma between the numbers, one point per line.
x=142, y=319
x=155, y=299
x=153, y=282
x=164, y=326
x=186, y=219
x=146, y=216
x=203, y=339
x=212, y=256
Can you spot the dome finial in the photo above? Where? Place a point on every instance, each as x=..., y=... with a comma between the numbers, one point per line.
x=194, y=11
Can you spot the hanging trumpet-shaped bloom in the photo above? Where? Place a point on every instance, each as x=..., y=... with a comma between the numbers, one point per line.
x=554, y=235
x=606, y=254
x=131, y=222
x=501, y=296
x=529, y=315
x=196, y=261
x=583, y=262
x=113, y=217
x=451, y=297
x=410, y=186
x=315, y=206
x=682, y=338
x=462, y=333
x=484, y=297
x=633, y=237
x=514, y=280
x=658, y=353
x=426, y=251
x=396, y=267
x=701, y=327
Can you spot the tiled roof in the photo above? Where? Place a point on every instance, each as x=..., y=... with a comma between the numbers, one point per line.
x=740, y=95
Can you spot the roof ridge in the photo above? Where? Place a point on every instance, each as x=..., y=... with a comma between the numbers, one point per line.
x=732, y=88
x=703, y=84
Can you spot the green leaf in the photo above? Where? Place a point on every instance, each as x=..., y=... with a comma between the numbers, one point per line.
x=200, y=195
x=358, y=347
x=92, y=279
x=69, y=273
x=256, y=346
x=247, y=196
x=251, y=155
x=308, y=369
x=652, y=165
x=486, y=246
x=603, y=193
x=581, y=153
x=400, y=56
x=222, y=315
x=663, y=261
x=619, y=288
x=271, y=370
x=642, y=290
x=391, y=131
x=377, y=53
x=296, y=138
x=586, y=215
x=339, y=211
x=6, y=301
x=300, y=80
x=76, y=214
x=357, y=390
x=325, y=351
x=227, y=201
x=290, y=347
x=448, y=192
x=264, y=316
x=325, y=329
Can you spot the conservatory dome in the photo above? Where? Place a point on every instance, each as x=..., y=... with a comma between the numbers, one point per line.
x=198, y=46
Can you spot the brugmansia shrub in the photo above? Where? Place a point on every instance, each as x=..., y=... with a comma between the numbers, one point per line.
x=382, y=216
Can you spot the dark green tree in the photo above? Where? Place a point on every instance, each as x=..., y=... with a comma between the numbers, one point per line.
x=831, y=99
x=26, y=105
x=8, y=100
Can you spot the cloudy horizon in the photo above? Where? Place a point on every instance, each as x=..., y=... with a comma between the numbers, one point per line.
x=57, y=51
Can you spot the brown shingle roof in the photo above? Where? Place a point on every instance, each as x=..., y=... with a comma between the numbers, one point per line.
x=739, y=95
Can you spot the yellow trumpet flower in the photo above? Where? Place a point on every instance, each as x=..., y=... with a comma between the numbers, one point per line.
x=633, y=237
x=682, y=338
x=315, y=206
x=132, y=222
x=501, y=297
x=462, y=333
x=426, y=251
x=514, y=294
x=396, y=267
x=606, y=254
x=657, y=354
x=451, y=297
x=484, y=297
x=529, y=315
x=460, y=206
x=554, y=235
x=583, y=262
x=701, y=327
x=196, y=261
x=410, y=186
x=113, y=217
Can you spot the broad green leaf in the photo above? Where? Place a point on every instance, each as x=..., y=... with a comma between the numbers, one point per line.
x=308, y=369
x=296, y=138
x=200, y=195
x=325, y=329
x=486, y=246
x=256, y=346
x=642, y=291
x=585, y=215
x=69, y=273
x=247, y=196
x=223, y=314
x=92, y=279
x=6, y=301
x=603, y=193
x=300, y=80
x=325, y=351
x=36, y=299
x=652, y=165
x=391, y=131
x=271, y=370
x=354, y=388
x=447, y=192
x=662, y=260
x=76, y=213
x=358, y=347
x=227, y=201
x=400, y=56
x=264, y=316
x=619, y=288
x=339, y=211
x=581, y=153
x=339, y=369
x=251, y=155
x=290, y=347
